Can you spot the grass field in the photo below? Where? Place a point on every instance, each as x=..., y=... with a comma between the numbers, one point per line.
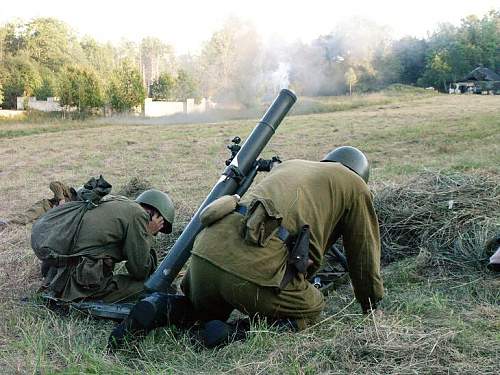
x=444, y=322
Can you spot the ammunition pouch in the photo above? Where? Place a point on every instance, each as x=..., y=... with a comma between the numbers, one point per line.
x=262, y=222
x=56, y=272
x=90, y=273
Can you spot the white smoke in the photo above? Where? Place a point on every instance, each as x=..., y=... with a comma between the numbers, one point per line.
x=281, y=77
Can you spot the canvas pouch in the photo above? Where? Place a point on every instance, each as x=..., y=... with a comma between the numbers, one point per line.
x=262, y=222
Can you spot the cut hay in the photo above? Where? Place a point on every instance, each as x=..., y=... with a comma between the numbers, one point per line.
x=443, y=217
x=134, y=187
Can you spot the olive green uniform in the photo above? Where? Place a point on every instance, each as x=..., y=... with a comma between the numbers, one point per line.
x=228, y=272
x=114, y=231
x=61, y=192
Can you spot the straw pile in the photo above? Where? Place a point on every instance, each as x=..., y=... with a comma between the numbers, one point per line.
x=443, y=217
x=134, y=187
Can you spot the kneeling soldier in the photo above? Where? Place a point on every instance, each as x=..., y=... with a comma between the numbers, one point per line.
x=244, y=262
x=116, y=230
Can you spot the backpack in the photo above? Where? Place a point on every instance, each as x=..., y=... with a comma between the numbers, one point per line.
x=54, y=234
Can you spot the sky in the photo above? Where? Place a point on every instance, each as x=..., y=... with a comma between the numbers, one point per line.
x=187, y=24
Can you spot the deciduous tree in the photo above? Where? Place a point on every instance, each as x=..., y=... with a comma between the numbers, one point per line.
x=351, y=79
x=185, y=86
x=79, y=87
x=21, y=78
x=231, y=63
x=163, y=88
x=126, y=90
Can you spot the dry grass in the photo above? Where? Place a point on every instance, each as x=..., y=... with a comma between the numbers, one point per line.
x=446, y=216
x=134, y=187
x=433, y=322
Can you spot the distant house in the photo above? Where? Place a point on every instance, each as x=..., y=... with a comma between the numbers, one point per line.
x=479, y=81
x=153, y=108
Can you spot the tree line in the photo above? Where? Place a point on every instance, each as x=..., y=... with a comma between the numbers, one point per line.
x=44, y=57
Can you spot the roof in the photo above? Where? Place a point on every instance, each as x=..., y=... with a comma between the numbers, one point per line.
x=482, y=74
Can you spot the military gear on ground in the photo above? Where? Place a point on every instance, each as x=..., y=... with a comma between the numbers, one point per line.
x=493, y=247
x=494, y=263
x=352, y=158
x=162, y=203
x=327, y=197
x=94, y=189
x=114, y=311
x=218, y=209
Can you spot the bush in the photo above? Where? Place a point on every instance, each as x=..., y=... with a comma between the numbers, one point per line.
x=126, y=90
x=79, y=87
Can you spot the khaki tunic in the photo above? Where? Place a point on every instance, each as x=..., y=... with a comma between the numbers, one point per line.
x=115, y=231
x=328, y=197
x=61, y=192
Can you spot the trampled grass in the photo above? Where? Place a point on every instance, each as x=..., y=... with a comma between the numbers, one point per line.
x=436, y=320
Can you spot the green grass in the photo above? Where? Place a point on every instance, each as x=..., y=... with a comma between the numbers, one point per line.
x=436, y=320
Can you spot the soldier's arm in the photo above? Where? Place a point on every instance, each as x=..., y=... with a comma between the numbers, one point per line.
x=141, y=261
x=361, y=238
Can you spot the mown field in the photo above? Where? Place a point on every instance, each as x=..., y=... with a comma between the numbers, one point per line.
x=433, y=322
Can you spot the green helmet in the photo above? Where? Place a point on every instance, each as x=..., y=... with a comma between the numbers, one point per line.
x=352, y=158
x=162, y=203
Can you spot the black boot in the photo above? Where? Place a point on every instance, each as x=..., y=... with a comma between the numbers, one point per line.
x=216, y=333
x=285, y=325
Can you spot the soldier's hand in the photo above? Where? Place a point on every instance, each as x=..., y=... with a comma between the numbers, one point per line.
x=155, y=224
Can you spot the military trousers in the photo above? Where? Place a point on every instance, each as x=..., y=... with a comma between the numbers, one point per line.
x=215, y=293
x=122, y=288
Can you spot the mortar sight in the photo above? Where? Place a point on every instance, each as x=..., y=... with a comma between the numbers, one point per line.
x=234, y=147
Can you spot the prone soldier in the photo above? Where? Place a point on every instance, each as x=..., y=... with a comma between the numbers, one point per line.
x=62, y=193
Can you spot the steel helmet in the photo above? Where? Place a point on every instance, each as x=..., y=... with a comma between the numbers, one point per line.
x=352, y=158
x=162, y=203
